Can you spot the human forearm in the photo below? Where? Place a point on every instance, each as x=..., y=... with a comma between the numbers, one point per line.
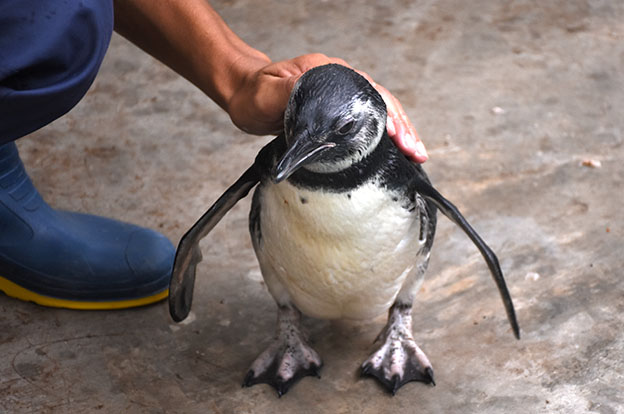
x=192, y=39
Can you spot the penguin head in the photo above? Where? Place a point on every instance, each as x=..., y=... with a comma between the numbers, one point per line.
x=334, y=118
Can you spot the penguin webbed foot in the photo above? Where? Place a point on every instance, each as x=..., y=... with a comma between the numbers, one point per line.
x=280, y=375
x=408, y=372
x=399, y=360
x=287, y=359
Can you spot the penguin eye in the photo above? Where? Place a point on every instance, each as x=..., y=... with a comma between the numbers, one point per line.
x=346, y=128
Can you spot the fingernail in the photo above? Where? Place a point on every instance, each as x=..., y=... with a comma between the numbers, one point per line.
x=420, y=155
x=421, y=150
x=409, y=143
x=390, y=127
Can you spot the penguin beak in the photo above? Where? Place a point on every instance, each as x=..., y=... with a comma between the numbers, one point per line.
x=303, y=151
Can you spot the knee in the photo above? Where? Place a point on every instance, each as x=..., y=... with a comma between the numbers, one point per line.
x=49, y=55
x=44, y=43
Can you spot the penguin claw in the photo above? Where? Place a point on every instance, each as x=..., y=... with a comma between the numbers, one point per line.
x=396, y=384
x=248, y=381
x=429, y=376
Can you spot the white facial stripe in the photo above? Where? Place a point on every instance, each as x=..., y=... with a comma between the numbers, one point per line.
x=360, y=106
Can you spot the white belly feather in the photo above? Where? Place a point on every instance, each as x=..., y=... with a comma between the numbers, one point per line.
x=347, y=259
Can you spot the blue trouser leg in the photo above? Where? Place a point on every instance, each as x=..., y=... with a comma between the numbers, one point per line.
x=50, y=52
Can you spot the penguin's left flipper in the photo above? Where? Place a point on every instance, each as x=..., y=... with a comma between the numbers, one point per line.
x=188, y=254
x=426, y=190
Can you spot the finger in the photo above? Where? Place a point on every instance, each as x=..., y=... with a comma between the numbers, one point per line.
x=303, y=63
x=400, y=129
x=287, y=73
x=406, y=136
x=369, y=79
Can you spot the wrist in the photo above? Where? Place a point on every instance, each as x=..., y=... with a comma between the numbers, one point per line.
x=238, y=72
x=223, y=61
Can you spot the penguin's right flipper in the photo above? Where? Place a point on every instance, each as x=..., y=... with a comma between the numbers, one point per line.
x=426, y=190
x=188, y=254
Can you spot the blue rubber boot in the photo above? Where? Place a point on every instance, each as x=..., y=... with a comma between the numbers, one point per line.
x=71, y=260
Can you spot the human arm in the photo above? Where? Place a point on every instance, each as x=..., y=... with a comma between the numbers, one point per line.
x=192, y=39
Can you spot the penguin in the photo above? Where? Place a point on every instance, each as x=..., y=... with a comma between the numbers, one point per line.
x=342, y=225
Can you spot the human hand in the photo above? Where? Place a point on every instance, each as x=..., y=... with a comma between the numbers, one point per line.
x=257, y=105
x=398, y=125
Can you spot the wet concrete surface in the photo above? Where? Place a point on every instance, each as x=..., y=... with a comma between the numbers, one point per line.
x=512, y=98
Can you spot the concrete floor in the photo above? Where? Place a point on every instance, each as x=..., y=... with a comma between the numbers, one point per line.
x=510, y=97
